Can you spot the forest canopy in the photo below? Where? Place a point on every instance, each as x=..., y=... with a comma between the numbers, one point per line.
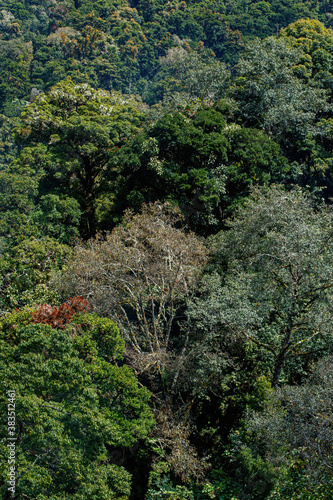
x=166, y=249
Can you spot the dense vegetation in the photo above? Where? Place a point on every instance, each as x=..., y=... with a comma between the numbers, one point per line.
x=166, y=249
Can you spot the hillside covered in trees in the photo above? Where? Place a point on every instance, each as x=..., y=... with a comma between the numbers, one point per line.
x=166, y=250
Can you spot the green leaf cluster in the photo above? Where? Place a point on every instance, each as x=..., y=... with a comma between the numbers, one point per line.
x=73, y=404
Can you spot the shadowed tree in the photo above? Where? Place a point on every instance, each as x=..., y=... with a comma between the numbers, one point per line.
x=294, y=435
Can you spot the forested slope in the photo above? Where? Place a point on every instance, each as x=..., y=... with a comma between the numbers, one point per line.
x=166, y=249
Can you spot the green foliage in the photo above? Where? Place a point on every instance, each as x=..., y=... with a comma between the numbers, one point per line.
x=59, y=217
x=273, y=290
x=117, y=45
x=191, y=74
x=72, y=406
x=179, y=162
x=104, y=332
x=165, y=490
x=18, y=188
x=199, y=161
x=253, y=159
x=239, y=95
x=15, y=58
x=221, y=486
x=27, y=269
x=7, y=147
x=271, y=96
x=314, y=40
x=74, y=130
x=292, y=436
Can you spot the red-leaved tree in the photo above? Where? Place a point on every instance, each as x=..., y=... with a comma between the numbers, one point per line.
x=60, y=316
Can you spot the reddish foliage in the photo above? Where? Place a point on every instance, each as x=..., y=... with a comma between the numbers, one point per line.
x=60, y=316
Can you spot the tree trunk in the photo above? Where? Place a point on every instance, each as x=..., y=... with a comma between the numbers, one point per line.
x=278, y=368
x=281, y=357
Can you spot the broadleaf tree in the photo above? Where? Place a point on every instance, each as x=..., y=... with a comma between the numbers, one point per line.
x=142, y=275
x=271, y=281
x=75, y=130
x=73, y=405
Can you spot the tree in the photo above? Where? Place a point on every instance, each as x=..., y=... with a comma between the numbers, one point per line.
x=274, y=283
x=201, y=160
x=316, y=41
x=142, y=275
x=294, y=435
x=181, y=160
x=26, y=270
x=18, y=188
x=192, y=75
x=7, y=147
x=75, y=129
x=15, y=57
x=192, y=152
x=272, y=97
x=253, y=159
x=73, y=404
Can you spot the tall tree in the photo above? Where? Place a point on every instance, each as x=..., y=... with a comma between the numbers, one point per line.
x=75, y=129
x=142, y=275
x=271, y=95
x=274, y=290
x=316, y=42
